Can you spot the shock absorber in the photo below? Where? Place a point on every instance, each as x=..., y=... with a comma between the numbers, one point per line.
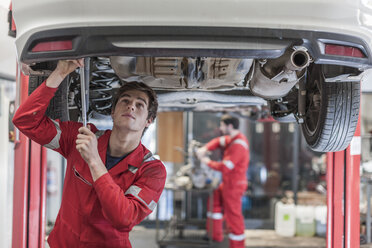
x=301, y=101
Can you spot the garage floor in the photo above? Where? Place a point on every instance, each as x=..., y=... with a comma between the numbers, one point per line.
x=142, y=237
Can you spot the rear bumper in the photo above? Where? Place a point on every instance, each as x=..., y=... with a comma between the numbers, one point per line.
x=161, y=41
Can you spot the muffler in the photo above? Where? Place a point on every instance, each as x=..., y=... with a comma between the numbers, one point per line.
x=274, y=78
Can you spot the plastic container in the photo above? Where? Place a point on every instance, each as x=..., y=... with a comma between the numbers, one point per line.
x=321, y=220
x=305, y=221
x=285, y=224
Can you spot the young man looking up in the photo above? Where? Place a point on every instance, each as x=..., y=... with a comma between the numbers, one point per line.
x=112, y=181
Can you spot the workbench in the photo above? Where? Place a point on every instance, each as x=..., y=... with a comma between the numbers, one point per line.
x=186, y=228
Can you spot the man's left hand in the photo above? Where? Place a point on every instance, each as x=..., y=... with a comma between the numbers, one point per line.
x=205, y=159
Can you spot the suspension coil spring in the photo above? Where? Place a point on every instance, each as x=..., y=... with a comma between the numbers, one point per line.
x=102, y=80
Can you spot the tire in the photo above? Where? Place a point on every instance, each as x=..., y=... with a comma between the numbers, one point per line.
x=332, y=111
x=58, y=106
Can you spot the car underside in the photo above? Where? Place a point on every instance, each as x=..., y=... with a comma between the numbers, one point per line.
x=290, y=88
x=305, y=76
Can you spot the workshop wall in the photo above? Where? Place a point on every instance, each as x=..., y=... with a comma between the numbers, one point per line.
x=170, y=136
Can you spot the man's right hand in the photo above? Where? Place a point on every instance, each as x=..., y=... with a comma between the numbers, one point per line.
x=64, y=67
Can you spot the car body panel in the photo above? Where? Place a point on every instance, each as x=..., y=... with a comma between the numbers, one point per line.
x=347, y=17
x=299, y=56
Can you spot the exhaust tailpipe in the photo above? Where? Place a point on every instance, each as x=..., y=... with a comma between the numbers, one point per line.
x=299, y=59
x=274, y=78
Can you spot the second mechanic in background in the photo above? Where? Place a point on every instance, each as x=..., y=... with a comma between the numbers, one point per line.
x=227, y=197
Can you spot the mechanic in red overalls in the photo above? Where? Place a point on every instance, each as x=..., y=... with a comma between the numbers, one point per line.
x=227, y=197
x=112, y=181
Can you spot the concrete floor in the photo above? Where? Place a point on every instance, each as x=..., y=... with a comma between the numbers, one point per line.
x=142, y=237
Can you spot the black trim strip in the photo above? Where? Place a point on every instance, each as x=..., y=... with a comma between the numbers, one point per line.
x=257, y=43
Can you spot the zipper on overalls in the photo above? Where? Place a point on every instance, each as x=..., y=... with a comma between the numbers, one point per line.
x=77, y=174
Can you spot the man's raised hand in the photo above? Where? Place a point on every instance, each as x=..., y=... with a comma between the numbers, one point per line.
x=64, y=67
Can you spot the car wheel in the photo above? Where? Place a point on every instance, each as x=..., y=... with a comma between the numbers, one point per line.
x=58, y=106
x=332, y=110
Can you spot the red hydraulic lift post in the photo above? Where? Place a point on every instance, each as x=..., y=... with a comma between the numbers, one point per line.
x=329, y=176
x=29, y=192
x=34, y=204
x=43, y=194
x=335, y=199
x=352, y=180
x=343, y=180
x=20, y=188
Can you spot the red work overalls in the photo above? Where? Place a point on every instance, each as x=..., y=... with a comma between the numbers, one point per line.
x=100, y=213
x=227, y=202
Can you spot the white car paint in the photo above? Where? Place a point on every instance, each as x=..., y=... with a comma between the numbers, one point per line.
x=353, y=17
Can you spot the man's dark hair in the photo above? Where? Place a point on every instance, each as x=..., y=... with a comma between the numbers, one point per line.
x=153, y=100
x=228, y=119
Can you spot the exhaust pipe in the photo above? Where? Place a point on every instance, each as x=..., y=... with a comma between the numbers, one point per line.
x=273, y=79
x=299, y=59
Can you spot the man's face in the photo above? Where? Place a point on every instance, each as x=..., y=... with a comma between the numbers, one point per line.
x=131, y=111
x=224, y=128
